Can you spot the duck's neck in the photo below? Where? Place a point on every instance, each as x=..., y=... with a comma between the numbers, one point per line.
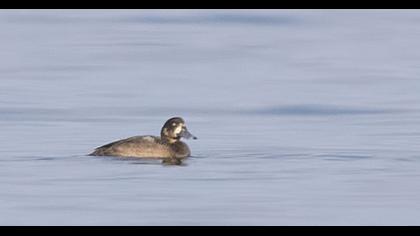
x=168, y=140
x=164, y=136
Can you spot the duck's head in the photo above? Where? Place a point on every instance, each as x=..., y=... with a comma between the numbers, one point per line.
x=174, y=129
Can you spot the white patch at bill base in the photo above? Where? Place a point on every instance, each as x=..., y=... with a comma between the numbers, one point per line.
x=178, y=129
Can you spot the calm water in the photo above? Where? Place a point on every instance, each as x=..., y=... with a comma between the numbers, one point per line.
x=304, y=117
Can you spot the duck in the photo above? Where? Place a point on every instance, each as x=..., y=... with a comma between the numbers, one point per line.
x=167, y=146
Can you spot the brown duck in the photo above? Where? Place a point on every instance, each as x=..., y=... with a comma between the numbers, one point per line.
x=168, y=145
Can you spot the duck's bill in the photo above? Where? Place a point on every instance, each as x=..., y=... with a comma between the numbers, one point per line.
x=186, y=134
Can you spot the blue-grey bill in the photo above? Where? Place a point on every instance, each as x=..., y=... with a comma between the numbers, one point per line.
x=186, y=134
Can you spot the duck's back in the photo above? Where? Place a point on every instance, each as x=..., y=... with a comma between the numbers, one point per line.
x=137, y=146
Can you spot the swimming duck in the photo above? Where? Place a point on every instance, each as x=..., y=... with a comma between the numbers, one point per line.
x=168, y=145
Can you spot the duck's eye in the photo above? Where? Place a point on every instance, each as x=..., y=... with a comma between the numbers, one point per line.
x=174, y=124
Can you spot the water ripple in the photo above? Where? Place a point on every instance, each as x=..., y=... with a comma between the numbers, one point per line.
x=322, y=110
x=224, y=18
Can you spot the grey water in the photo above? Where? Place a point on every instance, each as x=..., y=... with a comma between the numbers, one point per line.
x=303, y=117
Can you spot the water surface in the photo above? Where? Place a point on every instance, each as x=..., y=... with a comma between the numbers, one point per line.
x=304, y=117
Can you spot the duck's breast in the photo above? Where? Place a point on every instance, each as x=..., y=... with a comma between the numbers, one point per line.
x=180, y=150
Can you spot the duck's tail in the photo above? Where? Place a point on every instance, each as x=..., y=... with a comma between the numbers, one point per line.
x=96, y=152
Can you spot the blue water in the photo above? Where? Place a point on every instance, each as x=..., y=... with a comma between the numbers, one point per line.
x=304, y=117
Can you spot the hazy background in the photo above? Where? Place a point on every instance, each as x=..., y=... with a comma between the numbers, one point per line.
x=304, y=117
